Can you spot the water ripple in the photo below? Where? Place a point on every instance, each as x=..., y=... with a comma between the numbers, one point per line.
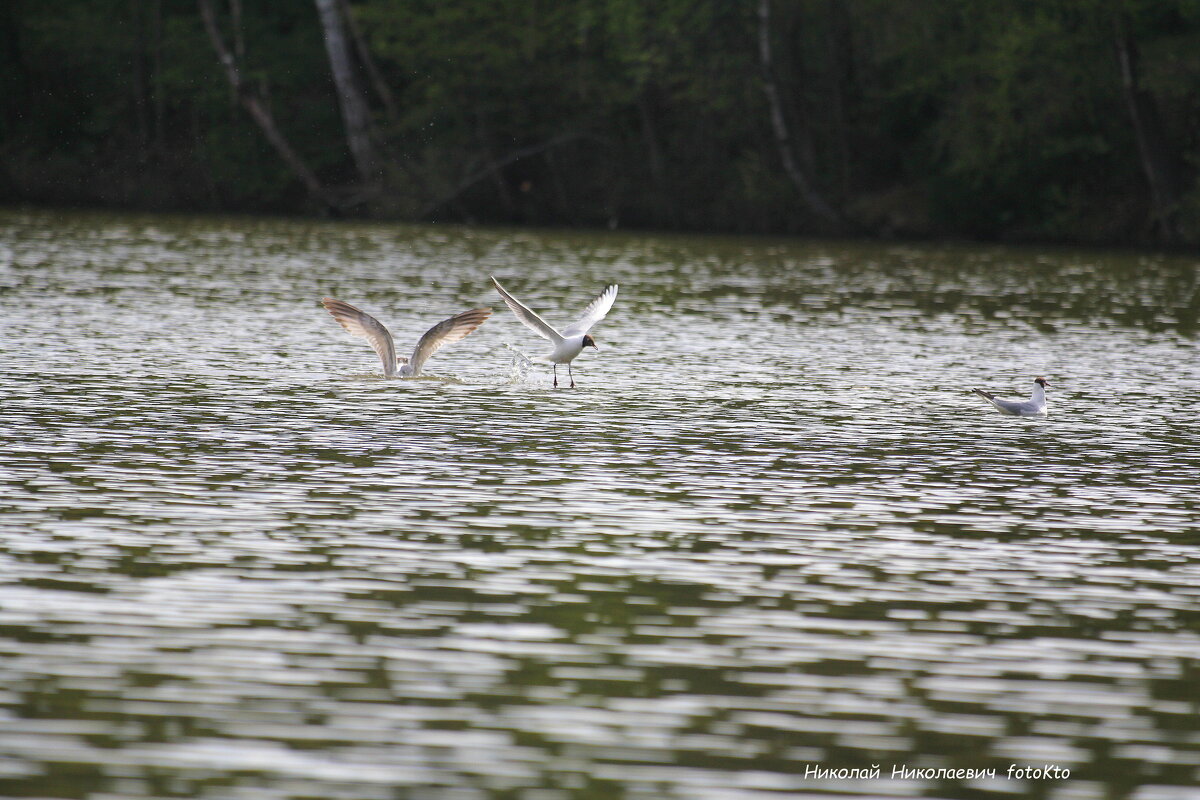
x=771, y=530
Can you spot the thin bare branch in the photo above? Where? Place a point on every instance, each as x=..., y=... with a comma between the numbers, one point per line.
x=368, y=62
x=783, y=140
x=493, y=167
x=1153, y=151
x=259, y=112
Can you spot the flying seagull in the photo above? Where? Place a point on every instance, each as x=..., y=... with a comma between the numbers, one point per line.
x=363, y=325
x=572, y=339
x=1034, y=406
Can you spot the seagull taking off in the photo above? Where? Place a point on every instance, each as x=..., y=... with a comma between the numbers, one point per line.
x=1033, y=407
x=364, y=326
x=573, y=338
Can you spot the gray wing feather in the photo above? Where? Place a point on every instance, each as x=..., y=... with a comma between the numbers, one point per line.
x=1014, y=407
x=595, y=312
x=1017, y=408
x=364, y=326
x=447, y=332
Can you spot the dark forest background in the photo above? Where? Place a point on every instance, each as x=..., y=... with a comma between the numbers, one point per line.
x=1067, y=120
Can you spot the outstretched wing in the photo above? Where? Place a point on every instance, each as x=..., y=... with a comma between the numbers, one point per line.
x=531, y=320
x=364, y=326
x=446, y=332
x=595, y=312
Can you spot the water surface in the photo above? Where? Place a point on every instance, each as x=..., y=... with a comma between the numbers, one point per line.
x=770, y=534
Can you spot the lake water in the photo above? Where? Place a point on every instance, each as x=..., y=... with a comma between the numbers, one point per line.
x=769, y=538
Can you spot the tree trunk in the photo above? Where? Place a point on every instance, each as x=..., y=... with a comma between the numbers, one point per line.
x=783, y=140
x=259, y=113
x=1158, y=162
x=650, y=139
x=484, y=137
x=364, y=56
x=138, y=62
x=15, y=89
x=356, y=117
x=841, y=59
x=239, y=40
x=157, y=92
x=662, y=199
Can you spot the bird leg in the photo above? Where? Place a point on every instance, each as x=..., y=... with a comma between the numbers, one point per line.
x=556, y=376
x=570, y=375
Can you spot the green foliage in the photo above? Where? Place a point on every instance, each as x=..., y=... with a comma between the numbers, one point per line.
x=1004, y=119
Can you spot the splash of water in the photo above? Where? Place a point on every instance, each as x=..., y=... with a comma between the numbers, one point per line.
x=520, y=366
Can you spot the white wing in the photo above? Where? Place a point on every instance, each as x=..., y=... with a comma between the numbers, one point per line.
x=531, y=320
x=595, y=312
x=364, y=326
x=1018, y=408
x=446, y=332
x=1014, y=407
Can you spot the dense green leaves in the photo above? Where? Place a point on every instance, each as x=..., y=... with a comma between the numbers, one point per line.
x=1005, y=119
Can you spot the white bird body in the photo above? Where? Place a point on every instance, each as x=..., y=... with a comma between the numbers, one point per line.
x=363, y=325
x=1035, y=406
x=565, y=351
x=568, y=343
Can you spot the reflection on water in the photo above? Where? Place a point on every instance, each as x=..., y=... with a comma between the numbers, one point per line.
x=770, y=534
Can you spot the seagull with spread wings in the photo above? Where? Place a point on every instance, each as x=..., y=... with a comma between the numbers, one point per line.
x=364, y=326
x=570, y=342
